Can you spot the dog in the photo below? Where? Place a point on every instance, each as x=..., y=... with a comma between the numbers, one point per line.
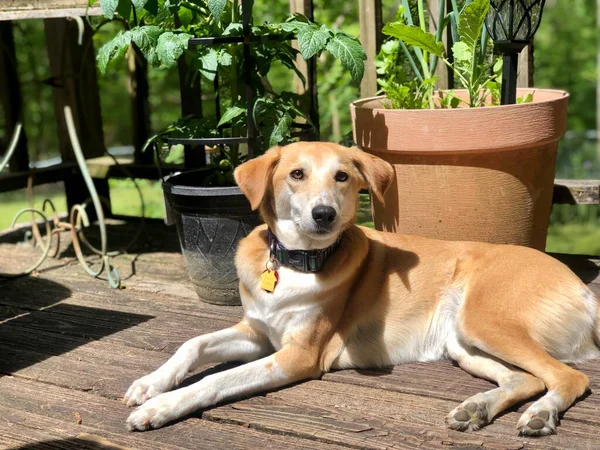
x=320, y=293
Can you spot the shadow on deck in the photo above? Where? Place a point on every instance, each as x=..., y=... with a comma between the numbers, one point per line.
x=70, y=347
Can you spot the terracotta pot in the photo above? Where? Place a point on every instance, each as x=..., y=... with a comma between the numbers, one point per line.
x=478, y=174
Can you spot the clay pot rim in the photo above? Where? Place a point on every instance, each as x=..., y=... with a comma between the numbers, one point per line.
x=558, y=95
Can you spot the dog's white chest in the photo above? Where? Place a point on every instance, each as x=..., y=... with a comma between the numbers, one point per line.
x=286, y=310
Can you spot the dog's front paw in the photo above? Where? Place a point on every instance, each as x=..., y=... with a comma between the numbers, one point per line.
x=468, y=416
x=154, y=413
x=148, y=387
x=537, y=421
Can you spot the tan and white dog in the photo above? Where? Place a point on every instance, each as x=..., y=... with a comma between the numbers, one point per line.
x=505, y=313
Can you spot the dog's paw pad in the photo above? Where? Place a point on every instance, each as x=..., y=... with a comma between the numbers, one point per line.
x=540, y=423
x=469, y=416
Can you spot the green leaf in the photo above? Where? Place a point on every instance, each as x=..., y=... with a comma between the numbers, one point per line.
x=139, y=4
x=145, y=38
x=124, y=9
x=296, y=26
x=113, y=49
x=224, y=58
x=176, y=154
x=462, y=52
x=525, y=98
x=281, y=130
x=209, y=63
x=233, y=29
x=231, y=113
x=216, y=8
x=312, y=40
x=471, y=22
x=413, y=35
x=185, y=16
x=109, y=7
x=152, y=7
x=351, y=54
x=170, y=47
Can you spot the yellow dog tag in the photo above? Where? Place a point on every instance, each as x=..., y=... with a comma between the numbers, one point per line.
x=268, y=280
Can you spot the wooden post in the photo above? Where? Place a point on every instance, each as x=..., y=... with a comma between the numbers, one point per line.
x=140, y=108
x=525, y=77
x=369, y=15
x=73, y=75
x=445, y=77
x=10, y=96
x=191, y=105
x=307, y=68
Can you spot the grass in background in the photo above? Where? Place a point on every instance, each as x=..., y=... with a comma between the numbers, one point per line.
x=12, y=202
x=574, y=238
x=123, y=194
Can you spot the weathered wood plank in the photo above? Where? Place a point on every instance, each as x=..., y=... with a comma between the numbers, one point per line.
x=43, y=9
x=382, y=409
x=525, y=76
x=165, y=333
x=106, y=417
x=106, y=369
x=22, y=429
x=576, y=192
x=375, y=423
x=442, y=380
x=151, y=300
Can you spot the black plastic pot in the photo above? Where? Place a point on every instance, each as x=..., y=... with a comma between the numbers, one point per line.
x=210, y=223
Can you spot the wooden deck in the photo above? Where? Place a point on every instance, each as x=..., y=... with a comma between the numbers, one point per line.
x=70, y=346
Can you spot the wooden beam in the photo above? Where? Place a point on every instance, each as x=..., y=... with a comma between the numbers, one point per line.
x=44, y=9
x=445, y=78
x=190, y=92
x=10, y=97
x=525, y=77
x=140, y=107
x=45, y=175
x=308, y=68
x=73, y=75
x=577, y=192
x=369, y=15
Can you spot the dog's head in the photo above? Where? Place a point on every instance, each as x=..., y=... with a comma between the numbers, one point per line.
x=307, y=191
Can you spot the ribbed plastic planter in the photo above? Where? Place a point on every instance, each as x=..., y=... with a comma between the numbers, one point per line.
x=210, y=223
x=476, y=174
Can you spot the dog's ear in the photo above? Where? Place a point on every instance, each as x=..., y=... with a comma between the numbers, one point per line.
x=253, y=176
x=377, y=173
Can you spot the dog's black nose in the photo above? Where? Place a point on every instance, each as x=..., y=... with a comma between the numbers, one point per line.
x=323, y=215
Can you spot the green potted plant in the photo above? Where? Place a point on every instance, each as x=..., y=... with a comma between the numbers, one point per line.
x=222, y=44
x=466, y=167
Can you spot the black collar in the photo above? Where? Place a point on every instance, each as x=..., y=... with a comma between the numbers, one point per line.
x=303, y=260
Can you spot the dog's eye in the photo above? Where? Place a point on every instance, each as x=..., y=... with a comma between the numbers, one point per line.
x=341, y=176
x=297, y=174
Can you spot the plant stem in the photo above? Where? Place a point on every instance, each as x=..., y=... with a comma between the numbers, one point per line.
x=411, y=60
x=418, y=52
x=193, y=7
x=442, y=24
x=464, y=81
x=425, y=58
